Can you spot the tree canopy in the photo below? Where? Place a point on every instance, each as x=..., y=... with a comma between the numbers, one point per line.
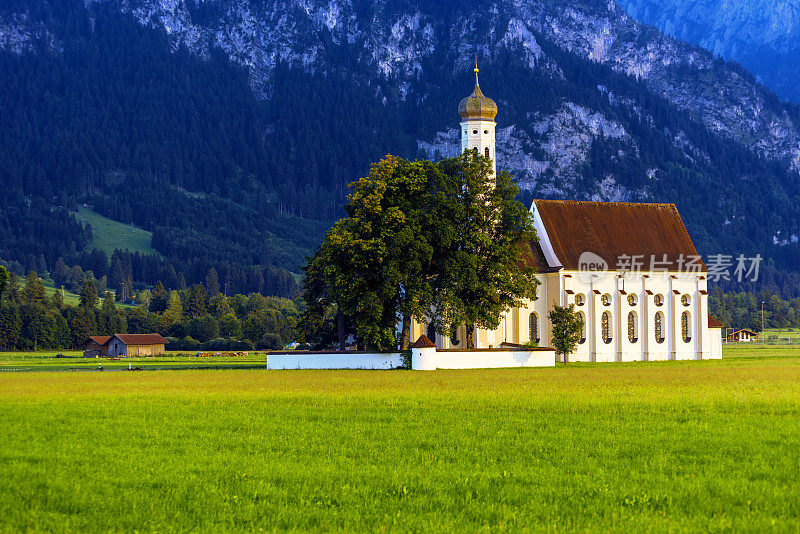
x=440, y=240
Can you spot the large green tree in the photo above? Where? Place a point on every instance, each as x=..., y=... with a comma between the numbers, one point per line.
x=482, y=234
x=442, y=240
x=375, y=265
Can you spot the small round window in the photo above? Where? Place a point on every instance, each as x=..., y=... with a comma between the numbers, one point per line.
x=686, y=300
x=486, y=132
x=580, y=300
x=606, y=299
x=632, y=300
x=475, y=131
x=659, y=300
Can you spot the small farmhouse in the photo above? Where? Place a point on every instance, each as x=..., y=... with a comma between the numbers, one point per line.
x=135, y=345
x=743, y=335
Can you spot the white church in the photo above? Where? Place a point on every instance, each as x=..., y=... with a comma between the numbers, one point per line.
x=631, y=271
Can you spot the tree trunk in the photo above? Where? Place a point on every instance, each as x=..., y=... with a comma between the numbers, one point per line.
x=340, y=328
x=470, y=336
x=404, y=343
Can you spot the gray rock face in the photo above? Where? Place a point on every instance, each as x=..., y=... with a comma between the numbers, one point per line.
x=762, y=35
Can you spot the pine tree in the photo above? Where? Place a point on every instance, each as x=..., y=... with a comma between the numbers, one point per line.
x=3, y=282
x=108, y=308
x=61, y=272
x=34, y=292
x=10, y=327
x=57, y=300
x=195, y=303
x=88, y=295
x=212, y=282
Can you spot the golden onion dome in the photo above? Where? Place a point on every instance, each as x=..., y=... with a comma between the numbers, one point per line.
x=477, y=105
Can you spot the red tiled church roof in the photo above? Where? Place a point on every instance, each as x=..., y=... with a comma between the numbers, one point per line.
x=714, y=323
x=615, y=229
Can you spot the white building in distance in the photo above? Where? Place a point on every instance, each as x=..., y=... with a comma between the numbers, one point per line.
x=631, y=270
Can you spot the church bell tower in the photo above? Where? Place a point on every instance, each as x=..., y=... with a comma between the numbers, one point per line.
x=477, y=123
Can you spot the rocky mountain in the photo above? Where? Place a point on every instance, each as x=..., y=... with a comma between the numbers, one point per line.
x=762, y=35
x=593, y=104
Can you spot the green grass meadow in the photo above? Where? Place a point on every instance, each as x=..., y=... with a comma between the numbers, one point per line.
x=109, y=235
x=661, y=446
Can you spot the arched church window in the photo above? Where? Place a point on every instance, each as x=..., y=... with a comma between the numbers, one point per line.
x=606, y=299
x=632, y=300
x=582, y=316
x=533, y=326
x=686, y=300
x=658, y=299
x=486, y=152
x=659, y=330
x=633, y=327
x=580, y=300
x=605, y=327
x=686, y=327
x=431, y=332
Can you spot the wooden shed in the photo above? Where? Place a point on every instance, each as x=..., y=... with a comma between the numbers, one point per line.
x=742, y=335
x=96, y=346
x=136, y=345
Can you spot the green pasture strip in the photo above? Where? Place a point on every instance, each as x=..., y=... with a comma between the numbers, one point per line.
x=679, y=446
x=109, y=235
x=759, y=350
x=46, y=361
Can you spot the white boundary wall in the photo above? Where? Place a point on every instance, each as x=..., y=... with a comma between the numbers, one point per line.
x=333, y=360
x=716, y=344
x=428, y=359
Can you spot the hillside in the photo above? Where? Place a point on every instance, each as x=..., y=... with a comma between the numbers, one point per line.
x=762, y=35
x=109, y=235
x=231, y=128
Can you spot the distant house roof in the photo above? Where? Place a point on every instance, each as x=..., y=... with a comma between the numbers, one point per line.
x=100, y=340
x=615, y=229
x=714, y=323
x=141, y=339
x=745, y=331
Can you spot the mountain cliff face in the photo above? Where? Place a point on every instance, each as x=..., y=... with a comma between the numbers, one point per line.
x=762, y=35
x=593, y=104
x=394, y=42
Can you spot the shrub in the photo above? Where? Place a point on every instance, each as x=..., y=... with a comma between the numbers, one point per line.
x=271, y=342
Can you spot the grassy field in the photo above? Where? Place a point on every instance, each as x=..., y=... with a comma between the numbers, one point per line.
x=74, y=361
x=678, y=446
x=110, y=235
